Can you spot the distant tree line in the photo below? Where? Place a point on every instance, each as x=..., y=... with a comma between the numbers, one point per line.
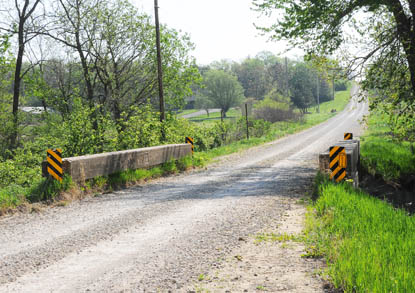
x=282, y=84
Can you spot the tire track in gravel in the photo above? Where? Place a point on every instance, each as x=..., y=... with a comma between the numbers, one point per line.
x=161, y=234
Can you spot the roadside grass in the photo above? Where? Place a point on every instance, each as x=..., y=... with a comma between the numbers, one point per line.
x=382, y=154
x=368, y=244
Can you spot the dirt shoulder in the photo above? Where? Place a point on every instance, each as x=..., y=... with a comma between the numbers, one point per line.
x=270, y=260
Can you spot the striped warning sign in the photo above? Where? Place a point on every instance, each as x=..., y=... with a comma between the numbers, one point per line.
x=348, y=136
x=54, y=164
x=338, y=163
x=190, y=141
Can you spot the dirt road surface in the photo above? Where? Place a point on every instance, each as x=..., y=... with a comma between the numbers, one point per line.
x=162, y=236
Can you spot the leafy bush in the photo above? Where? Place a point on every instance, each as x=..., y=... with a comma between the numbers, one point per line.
x=275, y=110
x=23, y=169
x=143, y=129
x=48, y=189
x=12, y=196
x=184, y=163
x=340, y=85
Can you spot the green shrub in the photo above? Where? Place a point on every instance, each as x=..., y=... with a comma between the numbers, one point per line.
x=156, y=172
x=142, y=174
x=272, y=110
x=12, y=196
x=340, y=85
x=48, y=189
x=184, y=163
x=169, y=167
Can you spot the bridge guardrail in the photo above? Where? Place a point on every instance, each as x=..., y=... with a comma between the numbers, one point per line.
x=90, y=166
x=352, y=148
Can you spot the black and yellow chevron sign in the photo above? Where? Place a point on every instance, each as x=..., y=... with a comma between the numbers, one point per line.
x=54, y=164
x=348, y=136
x=338, y=163
x=190, y=141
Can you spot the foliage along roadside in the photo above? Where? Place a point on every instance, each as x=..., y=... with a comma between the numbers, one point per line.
x=26, y=185
x=368, y=244
x=383, y=154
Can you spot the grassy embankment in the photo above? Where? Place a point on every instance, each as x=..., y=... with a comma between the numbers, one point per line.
x=14, y=196
x=382, y=155
x=369, y=245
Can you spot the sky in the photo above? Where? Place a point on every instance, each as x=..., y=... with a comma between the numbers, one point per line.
x=220, y=29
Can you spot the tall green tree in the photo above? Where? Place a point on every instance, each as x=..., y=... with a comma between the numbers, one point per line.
x=318, y=25
x=253, y=77
x=302, y=85
x=114, y=46
x=223, y=89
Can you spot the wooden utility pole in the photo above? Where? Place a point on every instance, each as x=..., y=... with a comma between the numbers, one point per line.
x=159, y=67
x=247, y=123
x=318, y=93
x=286, y=77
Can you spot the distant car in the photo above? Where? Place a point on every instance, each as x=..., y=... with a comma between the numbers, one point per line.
x=35, y=110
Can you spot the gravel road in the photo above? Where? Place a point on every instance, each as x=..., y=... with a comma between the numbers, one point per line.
x=160, y=236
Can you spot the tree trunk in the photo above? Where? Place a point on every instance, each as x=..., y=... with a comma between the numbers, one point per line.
x=17, y=85
x=406, y=36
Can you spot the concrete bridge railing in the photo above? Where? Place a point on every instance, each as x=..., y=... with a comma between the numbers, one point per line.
x=352, y=148
x=90, y=166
